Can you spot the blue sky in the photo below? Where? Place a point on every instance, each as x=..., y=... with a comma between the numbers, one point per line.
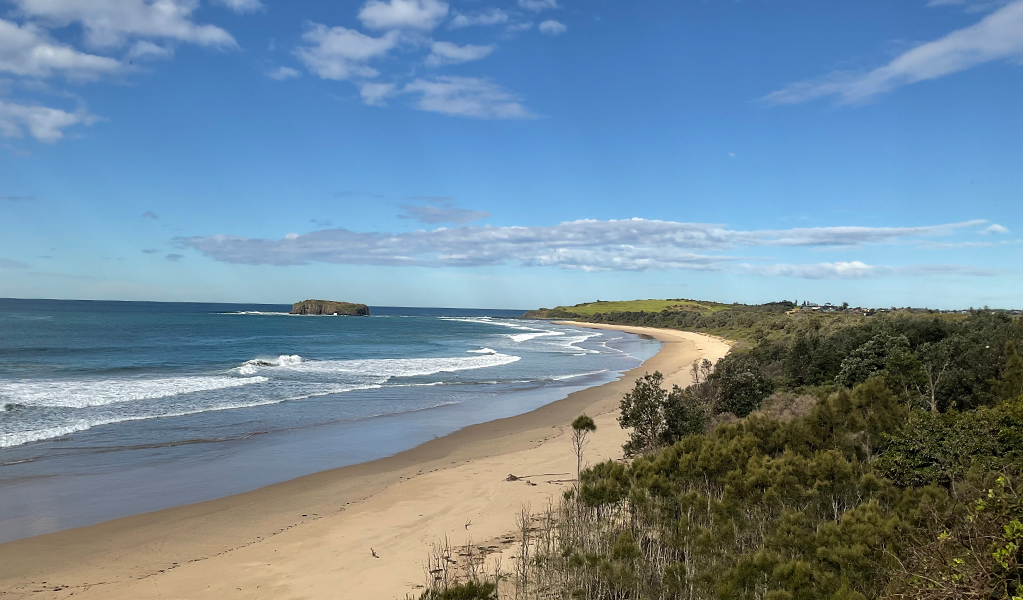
x=512, y=153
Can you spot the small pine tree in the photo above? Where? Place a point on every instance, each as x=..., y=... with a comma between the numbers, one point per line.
x=581, y=427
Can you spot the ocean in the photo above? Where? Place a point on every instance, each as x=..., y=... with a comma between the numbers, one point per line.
x=115, y=408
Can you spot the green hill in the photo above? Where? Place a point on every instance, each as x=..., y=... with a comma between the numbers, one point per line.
x=603, y=306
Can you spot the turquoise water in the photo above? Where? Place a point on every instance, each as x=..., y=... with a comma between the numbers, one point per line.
x=115, y=408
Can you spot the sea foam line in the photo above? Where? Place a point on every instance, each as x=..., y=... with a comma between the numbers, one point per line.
x=17, y=438
x=101, y=392
x=381, y=368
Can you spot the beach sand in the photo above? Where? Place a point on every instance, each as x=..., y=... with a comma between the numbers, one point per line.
x=315, y=537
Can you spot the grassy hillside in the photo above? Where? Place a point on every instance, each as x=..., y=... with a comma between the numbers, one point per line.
x=678, y=304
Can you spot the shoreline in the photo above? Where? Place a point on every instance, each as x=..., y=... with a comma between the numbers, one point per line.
x=311, y=537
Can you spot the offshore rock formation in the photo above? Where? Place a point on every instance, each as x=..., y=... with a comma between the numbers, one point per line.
x=328, y=307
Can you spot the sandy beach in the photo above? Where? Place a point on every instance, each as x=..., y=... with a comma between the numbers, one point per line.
x=356, y=532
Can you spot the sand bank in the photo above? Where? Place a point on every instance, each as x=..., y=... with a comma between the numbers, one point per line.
x=315, y=537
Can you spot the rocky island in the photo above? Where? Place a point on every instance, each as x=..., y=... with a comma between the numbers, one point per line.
x=328, y=307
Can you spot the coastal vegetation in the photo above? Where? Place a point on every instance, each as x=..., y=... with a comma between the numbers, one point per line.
x=329, y=307
x=836, y=456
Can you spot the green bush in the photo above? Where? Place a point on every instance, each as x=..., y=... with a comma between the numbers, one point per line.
x=470, y=590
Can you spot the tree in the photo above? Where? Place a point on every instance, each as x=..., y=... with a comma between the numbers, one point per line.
x=742, y=385
x=581, y=427
x=1010, y=385
x=938, y=360
x=684, y=413
x=641, y=410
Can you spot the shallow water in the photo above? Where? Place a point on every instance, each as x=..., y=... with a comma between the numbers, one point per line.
x=115, y=408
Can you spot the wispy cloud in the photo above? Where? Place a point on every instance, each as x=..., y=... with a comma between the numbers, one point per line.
x=998, y=36
x=147, y=49
x=625, y=245
x=341, y=53
x=174, y=257
x=538, y=5
x=446, y=212
x=399, y=14
x=447, y=53
x=859, y=270
x=150, y=215
x=467, y=97
x=283, y=73
x=376, y=94
x=242, y=6
x=552, y=27
x=995, y=228
x=490, y=16
x=6, y=263
x=28, y=50
x=41, y=122
x=109, y=24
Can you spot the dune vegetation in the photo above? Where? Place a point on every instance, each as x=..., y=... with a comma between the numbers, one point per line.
x=834, y=456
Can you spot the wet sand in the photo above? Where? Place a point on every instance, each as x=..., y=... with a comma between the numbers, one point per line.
x=316, y=536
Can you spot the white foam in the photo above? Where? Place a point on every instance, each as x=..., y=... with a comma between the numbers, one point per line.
x=101, y=392
x=381, y=368
x=386, y=368
x=251, y=367
x=490, y=321
x=525, y=337
x=18, y=438
x=574, y=375
x=482, y=351
x=259, y=312
x=570, y=344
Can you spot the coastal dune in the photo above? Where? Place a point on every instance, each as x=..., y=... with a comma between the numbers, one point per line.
x=357, y=532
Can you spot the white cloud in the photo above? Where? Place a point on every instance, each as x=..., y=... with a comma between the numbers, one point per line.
x=447, y=53
x=995, y=228
x=552, y=27
x=629, y=245
x=376, y=94
x=242, y=6
x=523, y=26
x=43, y=123
x=110, y=22
x=490, y=16
x=341, y=53
x=28, y=50
x=538, y=5
x=446, y=213
x=147, y=49
x=832, y=270
x=998, y=36
x=282, y=73
x=400, y=14
x=467, y=97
